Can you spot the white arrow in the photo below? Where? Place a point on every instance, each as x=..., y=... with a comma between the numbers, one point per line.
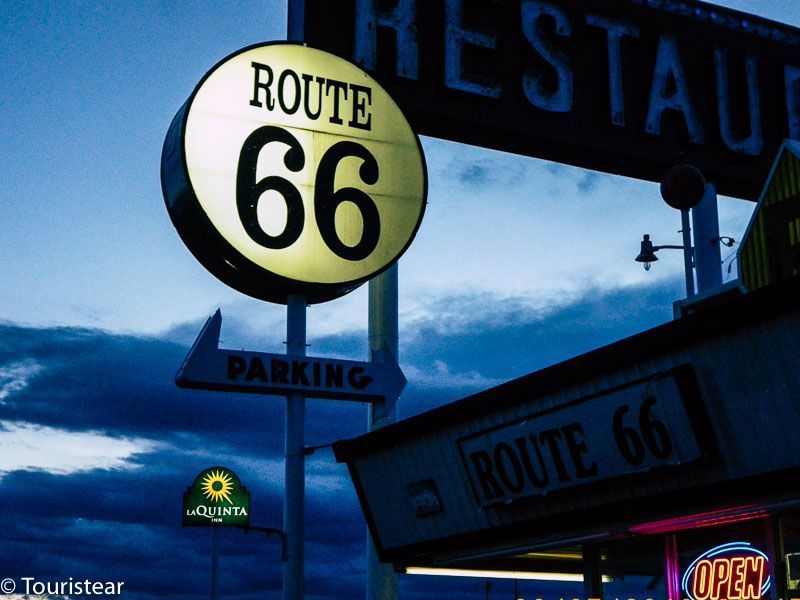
x=208, y=367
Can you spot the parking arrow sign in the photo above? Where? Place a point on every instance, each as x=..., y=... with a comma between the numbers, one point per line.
x=208, y=367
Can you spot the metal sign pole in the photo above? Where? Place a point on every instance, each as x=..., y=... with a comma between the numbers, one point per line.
x=707, y=252
x=296, y=20
x=294, y=493
x=383, y=347
x=214, y=561
x=688, y=252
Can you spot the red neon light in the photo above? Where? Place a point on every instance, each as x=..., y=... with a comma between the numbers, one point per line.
x=729, y=578
x=709, y=519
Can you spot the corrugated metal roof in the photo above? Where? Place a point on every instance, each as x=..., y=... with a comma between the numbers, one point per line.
x=756, y=256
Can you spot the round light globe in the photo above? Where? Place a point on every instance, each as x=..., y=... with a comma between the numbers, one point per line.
x=683, y=187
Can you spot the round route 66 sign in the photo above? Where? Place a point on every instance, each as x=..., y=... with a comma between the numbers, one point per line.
x=291, y=171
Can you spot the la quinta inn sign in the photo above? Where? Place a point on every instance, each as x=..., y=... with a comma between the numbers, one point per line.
x=216, y=498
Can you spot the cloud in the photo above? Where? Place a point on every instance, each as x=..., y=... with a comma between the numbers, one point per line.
x=99, y=444
x=475, y=173
x=509, y=337
x=486, y=172
x=466, y=313
x=30, y=447
x=440, y=376
x=556, y=169
x=15, y=376
x=589, y=182
x=121, y=386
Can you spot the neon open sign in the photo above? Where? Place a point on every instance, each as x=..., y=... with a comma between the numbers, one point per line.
x=733, y=571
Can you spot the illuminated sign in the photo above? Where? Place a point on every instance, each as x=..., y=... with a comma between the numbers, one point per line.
x=734, y=571
x=291, y=171
x=216, y=498
x=623, y=86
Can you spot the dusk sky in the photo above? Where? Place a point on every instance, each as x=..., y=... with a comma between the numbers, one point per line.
x=519, y=263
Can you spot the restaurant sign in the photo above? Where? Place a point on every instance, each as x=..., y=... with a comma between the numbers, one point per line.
x=619, y=432
x=631, y=87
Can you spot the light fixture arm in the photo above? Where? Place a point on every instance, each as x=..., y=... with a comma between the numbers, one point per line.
x=725, y=241
x=670, y=247
x=268, y=531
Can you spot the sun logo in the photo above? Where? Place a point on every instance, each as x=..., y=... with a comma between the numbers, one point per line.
x=217, y=486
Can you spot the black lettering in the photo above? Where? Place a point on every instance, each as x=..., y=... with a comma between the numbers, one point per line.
x=360, y=107
x=299, y=372
x=522, y=446
x=259, y=85
x=334, y=376
x=317, y=368
x=307, y=95
x=577, y=449
x=279, y=371
x=482, y=463
x=256, y=370
x=356, y=378
x=236, y=366
x=289, y=110
x=551, y=437
x=338, y=87
x=502, y=449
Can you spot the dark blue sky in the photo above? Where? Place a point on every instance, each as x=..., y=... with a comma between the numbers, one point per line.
x=89, y=89
x=123, y=443
x=519, y=264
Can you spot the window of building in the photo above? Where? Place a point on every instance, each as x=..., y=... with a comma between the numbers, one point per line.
x=733, y=562
x=634, y=569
